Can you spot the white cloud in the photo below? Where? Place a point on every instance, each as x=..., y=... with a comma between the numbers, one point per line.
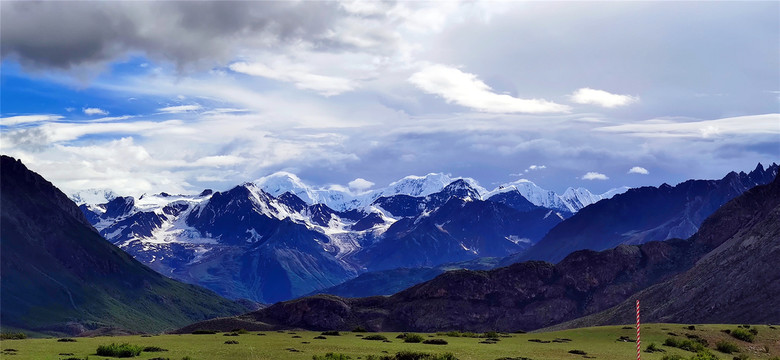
x=94, y=111
x=594, y=176
x=360, y=184
x=768, y=124
x=27, y=119
x=322, y=84
x=468, y=90
x=601, y=98
x=179, y=109
x=536, y=167
x=638, y=170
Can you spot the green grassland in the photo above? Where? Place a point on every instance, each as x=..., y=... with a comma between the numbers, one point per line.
x=597, y=342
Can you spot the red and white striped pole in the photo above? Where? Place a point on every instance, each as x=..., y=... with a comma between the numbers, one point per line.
x=638, y=341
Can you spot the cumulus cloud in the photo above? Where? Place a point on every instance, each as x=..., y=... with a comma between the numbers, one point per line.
x=360, y=184
x=94, y=111
x=468, y=90
x=638, y=170
x=594, y=176
x=27, y=119
x=601, y=98
x=179, y=109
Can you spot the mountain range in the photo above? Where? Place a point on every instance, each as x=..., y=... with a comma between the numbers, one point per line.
x=644, y=214
x=725, y=272
x=60, y=276
x=275, y=239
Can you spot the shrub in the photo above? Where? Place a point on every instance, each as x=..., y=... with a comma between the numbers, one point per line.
x=704, y=355
x=688, y=345
x=66, y=340
x=13, y=336
x=412, y=355
x=240, y=331
x=230, y=334
x=490, y=334
x=743, y=335
x=359, y=329
x=654, y=348
x=319, y=337
x=754, y=331
x=412, y=338
x=520, y=332
x=331, y=333
x=154, y=349
x=435, y=342
x=673, y=357
x=157, y=358
x=742, y=357
x=691, y=327
x=204, y=332
x=231, y=342
x=331, y=356
x=121, y=350
x=577, y=352
x=726, y=347
x=375, y=337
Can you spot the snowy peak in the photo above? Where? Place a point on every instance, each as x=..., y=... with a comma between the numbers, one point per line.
x=533, y=193
x=281, y=182
x=578, y=198
x=461, y=189
x=93, y=196
x=572, y=199
x=423, y=185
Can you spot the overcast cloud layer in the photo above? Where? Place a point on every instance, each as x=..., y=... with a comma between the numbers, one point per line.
x=178, y=96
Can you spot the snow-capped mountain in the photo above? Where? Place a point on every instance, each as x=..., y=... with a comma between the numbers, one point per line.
x=93, y=196
x=342, y=199
x=571, y=201
x=249, y=243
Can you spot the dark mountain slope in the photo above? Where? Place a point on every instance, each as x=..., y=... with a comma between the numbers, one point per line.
x=59, y=274
x=738, y=282
x=388, y=282
x=742, y=237
x=644, y=214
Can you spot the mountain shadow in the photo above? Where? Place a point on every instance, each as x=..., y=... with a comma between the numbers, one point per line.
x=60, y=276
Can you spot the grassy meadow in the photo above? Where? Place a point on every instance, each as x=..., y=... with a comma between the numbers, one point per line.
x=595, y=343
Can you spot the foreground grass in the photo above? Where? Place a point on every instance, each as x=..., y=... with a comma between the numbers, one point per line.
x=597, y=343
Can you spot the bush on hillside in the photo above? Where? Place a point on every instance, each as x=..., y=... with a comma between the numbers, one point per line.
x=331, y=333
x=435, y=342
x=412, y=338
x=743, y=335
x=13, y=336
x=375, y=337
x=726, y=347
x=119, y=350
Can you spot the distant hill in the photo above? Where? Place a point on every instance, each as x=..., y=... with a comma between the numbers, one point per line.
x=738, y=282
x=388, y=282
x=742, y=236
x=643, y=214
x=60, y=276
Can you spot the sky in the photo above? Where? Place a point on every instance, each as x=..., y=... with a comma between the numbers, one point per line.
x=179, y=96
